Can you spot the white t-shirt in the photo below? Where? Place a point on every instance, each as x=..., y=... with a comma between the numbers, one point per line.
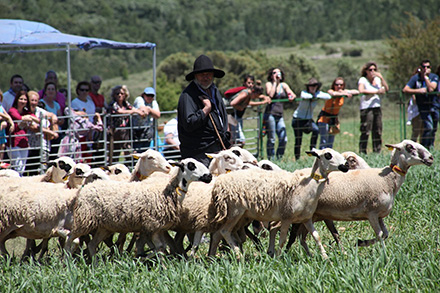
x=171, y=128
x=8, y=100
x=88, y=106
x=140, y=102
x=370, y=101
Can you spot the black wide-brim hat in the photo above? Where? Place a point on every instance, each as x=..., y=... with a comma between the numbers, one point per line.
x=204, y=64
x=313, y=81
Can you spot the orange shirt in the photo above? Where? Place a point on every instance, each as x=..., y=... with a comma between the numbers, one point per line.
x=332, y=107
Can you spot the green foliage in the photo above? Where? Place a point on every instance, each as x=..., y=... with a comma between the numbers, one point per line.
x=349, y=73
x=416, y=41
x=356, y=52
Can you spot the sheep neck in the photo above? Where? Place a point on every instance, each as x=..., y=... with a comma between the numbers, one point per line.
x=318, y=173
x=398, y=170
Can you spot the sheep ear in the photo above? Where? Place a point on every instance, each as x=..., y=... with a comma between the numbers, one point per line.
x=312, y=153
x=211, y=156
x=392, y=147
x=175, y=163
x=135, y=156
x=105, y=168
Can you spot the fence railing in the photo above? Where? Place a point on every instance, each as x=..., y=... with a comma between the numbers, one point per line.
x=97, y=149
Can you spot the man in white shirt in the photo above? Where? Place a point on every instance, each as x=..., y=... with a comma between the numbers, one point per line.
x=9, y=97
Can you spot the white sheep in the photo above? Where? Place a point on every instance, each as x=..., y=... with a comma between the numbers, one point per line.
x=224, y=161
x=369, y=194
x=272, y=196
x=133, y=207
x=244, y=154
x=148, y=162
x=268, y=165
x=39, y=210
x=355, y=161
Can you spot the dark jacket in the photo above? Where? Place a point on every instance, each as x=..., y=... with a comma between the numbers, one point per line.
x=196, y=132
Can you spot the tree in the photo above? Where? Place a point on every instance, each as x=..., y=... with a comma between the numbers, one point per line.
x=416, y=41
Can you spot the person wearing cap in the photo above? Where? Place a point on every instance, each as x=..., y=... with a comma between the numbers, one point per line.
x=302, y=121
x=143, y=125
x=203, y=121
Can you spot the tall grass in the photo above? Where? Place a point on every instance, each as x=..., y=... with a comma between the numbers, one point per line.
x=407, y=261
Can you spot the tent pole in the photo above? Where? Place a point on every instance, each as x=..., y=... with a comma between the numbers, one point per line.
x=69, y=96
x=154, y=67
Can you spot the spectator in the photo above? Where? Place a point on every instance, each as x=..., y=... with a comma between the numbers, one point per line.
x=371, y=85
x=120, y=107
x=51, y=76
x=52, y=106
x=5, y=119
x=414, y=120
x=276, y=89
x=143, y=129
x=172, y=144
x=49, y=126
x=98, y=99
x=421, y=84
x=240, y=101
x=23, y=118
x=302, y=121
x=203, y=121
x=83, y=102
x=328, y=116
x=9, y=97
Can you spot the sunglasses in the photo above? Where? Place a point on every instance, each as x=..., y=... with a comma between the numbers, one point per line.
x=83, y=90
x=426, y=66
x=339, y=84
x=150, y=96
x=96, y=81
x=372, y=69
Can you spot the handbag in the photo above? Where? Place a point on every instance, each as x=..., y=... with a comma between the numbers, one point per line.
x=334, y=129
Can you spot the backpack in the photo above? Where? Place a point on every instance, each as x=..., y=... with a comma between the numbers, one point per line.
x=230, y=94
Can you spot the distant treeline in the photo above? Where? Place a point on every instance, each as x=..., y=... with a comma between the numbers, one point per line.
x=198, y=26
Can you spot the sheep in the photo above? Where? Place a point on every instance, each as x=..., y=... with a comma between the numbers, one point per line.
x=133, y=207
x=39, y=210
x=117, y=169
x=57, y=172
x=224, y=161
x=368, y=194
x=355, y=161
x=272, y=196
x=268, y=165
x=244, y=154
x=148, y=162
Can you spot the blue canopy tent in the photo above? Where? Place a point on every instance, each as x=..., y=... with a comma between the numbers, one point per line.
x=21, y=36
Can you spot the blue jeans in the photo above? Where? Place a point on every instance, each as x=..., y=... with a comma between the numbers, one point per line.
x=430, y=119
x=298, y=126
x=326, y=139
x=275, y=124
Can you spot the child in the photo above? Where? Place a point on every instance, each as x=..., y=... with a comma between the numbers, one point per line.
x=4, y=120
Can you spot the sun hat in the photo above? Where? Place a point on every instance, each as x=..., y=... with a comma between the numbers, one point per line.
x=149, y=91
x=204, y=64
x=313, y=81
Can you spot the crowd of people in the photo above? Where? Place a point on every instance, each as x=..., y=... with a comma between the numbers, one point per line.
x=32, y=125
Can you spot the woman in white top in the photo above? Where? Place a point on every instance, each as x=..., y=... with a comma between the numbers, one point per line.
x=370, y=86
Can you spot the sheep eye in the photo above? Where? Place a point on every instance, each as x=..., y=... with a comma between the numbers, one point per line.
x=191, y=166
x=117, y=171
x=328, y=156
x=237, y=153
x=409, y=148
x=79, y=172
x=61, y=164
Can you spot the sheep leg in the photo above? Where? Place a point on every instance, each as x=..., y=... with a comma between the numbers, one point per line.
x=178, y=239
x=274, y=227
x=216, y=237
x=166, y=238
x=143, y=238
x=99, y=236
x=132, y=242
x=226, y=232
x=44, y=248
x=331, y=227
x=121, y=241
x=196, y=242
x=309, y=225
x=293, y=234
x=28, y=250
x=377, y=225
x=5, y=235
x=303, y=236
x=284, y=229
x=254, y=239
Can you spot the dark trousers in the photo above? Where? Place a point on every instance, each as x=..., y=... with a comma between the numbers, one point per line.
x=371, y=121
x=429, y=119
x=298, y=126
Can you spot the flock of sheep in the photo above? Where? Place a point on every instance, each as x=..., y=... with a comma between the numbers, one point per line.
x=79, y=204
